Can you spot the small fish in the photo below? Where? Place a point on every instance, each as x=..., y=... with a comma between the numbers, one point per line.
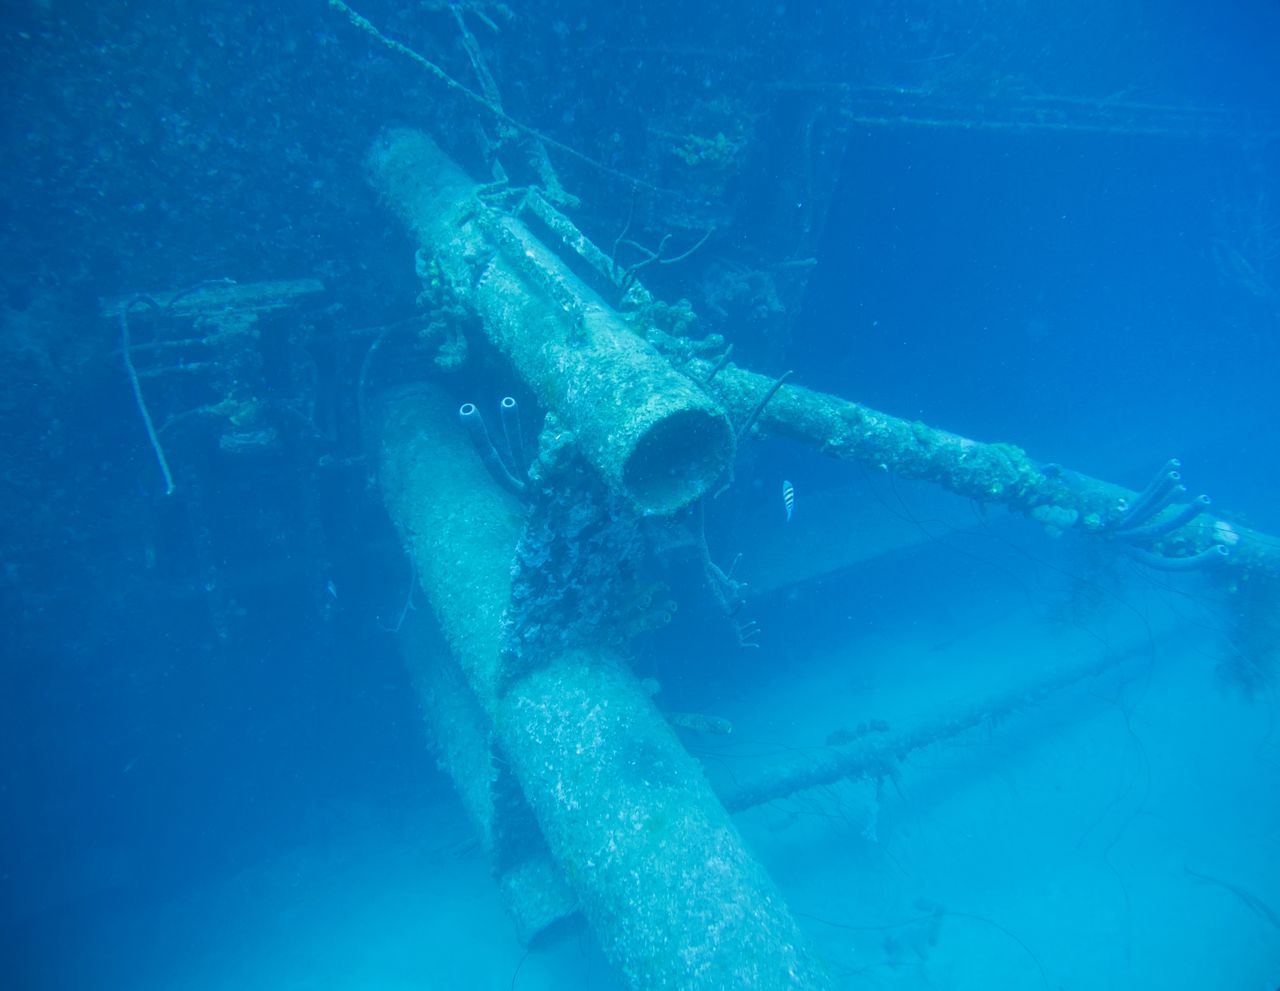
x=788, y=498
x=331, y=588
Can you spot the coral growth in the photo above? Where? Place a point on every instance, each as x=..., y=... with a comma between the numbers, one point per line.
x=574, y=580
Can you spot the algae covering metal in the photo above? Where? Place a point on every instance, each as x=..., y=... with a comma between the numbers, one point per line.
x=457, y=526
x=650, y=432
x=987, y=473
x=663, y=876
x=658, y=868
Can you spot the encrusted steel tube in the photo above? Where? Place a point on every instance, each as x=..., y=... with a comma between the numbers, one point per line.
x=658, y=868
x=650, y=432
x=987, y=473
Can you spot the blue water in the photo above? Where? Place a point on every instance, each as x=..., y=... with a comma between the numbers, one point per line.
x=1058, y=228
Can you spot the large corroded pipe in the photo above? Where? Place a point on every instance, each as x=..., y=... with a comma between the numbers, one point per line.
x=535, y=892
x=658, y=868
x=649, y=431
x=460, y=543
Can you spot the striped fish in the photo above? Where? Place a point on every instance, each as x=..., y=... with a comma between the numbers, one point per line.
x=788, y=498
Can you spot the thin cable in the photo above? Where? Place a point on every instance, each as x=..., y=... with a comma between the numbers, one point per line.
x=137, y=389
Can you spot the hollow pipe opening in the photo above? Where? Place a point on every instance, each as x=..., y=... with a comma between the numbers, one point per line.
x=676, y=459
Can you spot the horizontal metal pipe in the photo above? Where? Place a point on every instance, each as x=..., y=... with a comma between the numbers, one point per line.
x=987, y=473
